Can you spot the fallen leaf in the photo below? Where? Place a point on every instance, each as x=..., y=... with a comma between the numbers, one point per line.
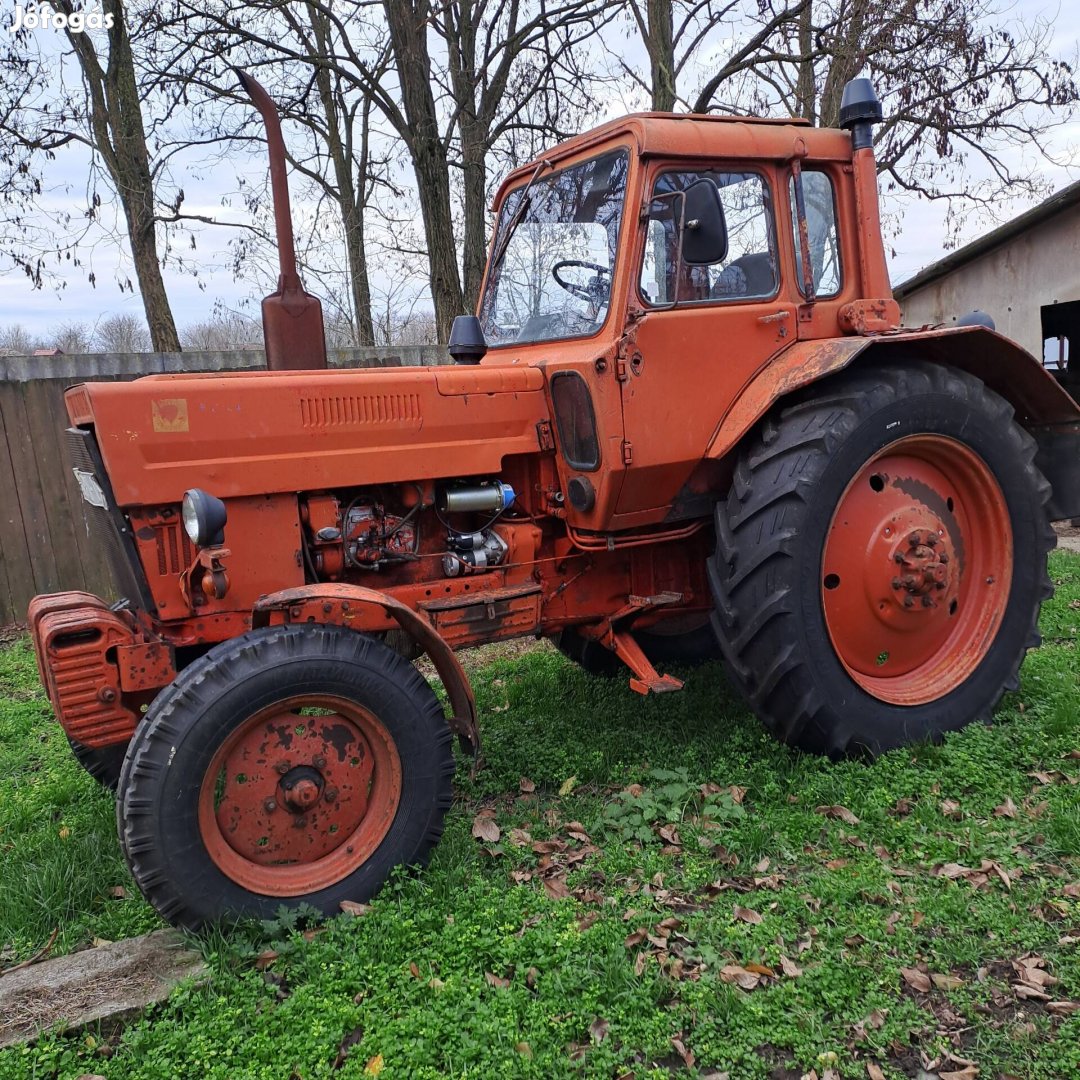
x=946, y=982
x=747, y=915
x=485, y=828
x=916, y=979
x=670, y=833
x=837, y=864
x=524, y=1049
x=789, y=967
x=496, y=981
x=118, y=892
x=1063, y=1008
x=734, y=973
x=761, y=969
x=556, y=888
x=350, y=1040
x=598, y=1030
x=414, y=969
x=969, y=1072
x=526, y=785
x=265, y=959
x=64, y=833
x=436, y=983
x=951, y=809
x=374, y=1066
x=351, y=907
x=636, y=938
x=680, y=1049
x=531, y=976
x=1007, y=809
x=841, y=812
x=568, y=785
x=520, y=837
x=587, y=920
x=576, y=831
x=874, y=1071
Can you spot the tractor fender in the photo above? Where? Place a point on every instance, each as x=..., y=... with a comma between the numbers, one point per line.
x=1041, y=404
x=340, y=604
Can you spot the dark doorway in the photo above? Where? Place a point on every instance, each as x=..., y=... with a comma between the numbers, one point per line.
x=1061, y=341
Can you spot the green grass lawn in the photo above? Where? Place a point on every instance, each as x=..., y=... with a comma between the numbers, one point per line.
x=765, y=933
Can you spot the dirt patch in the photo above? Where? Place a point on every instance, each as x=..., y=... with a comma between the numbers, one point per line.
x=11, y=633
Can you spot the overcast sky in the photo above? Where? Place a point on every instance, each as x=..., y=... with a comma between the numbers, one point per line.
x=919, y=241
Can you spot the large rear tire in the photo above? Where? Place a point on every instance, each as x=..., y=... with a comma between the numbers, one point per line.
x=881, y=560
x=295, y=764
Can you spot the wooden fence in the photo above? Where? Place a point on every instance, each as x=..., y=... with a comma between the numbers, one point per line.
x=44, y=546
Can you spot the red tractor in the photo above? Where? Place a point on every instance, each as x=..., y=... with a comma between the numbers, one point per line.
x=685, y=418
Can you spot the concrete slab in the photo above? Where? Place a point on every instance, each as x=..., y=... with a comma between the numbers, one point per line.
x=1069, y=543
x=109, y=984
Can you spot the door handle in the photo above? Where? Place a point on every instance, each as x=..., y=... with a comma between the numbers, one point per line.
x=776, y=316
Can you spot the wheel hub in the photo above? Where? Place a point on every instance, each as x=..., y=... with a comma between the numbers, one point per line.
x=301, y=788
x=299, y=795
x=923, y=562
x=916, y=569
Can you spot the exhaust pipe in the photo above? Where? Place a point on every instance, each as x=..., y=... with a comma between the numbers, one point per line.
x=292, y=320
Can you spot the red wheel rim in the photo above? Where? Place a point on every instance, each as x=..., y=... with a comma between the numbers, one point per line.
x=917, y=569
x=299, y=795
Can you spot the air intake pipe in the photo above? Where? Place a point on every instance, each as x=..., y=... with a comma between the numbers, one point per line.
x=292, y=319
x=860, y=110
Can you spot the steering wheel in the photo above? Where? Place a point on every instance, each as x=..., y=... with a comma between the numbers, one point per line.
x=595, y=292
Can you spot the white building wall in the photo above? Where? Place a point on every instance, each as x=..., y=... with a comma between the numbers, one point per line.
x=1010, y=283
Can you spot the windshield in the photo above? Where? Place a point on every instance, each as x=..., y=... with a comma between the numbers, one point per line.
x=553, y=279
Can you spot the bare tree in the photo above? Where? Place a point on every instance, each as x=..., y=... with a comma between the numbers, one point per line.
x=15, y=340
x=122, y=334
x=71, y=337
x=224, y=331
x=103, y=113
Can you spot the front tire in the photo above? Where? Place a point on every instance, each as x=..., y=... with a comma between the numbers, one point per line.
x=295, y=764
x=881, y=560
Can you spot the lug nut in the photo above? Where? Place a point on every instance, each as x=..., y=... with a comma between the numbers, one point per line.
x=319, y=762
x=897, y=583
x=931, y=539
x=943, y=557
x=282, y=767
x=330, y=795
x=909, y=601
x=927, y=602
x=270, y=805
x=914, y=539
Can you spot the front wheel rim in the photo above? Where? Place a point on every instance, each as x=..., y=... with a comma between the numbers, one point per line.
x=300, y=795
x=916, y=569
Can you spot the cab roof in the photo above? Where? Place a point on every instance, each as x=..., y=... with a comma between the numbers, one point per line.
x=701, y=135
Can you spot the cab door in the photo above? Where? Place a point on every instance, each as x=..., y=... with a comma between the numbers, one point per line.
x=703, y=332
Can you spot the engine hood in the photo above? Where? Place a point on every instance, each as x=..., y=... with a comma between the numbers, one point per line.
x=248, y=433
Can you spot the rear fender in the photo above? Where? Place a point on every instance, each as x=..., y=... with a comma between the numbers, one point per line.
x=1041, y=405
x=345, y=605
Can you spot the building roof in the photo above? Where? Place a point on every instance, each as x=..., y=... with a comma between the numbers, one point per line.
x=1059, y=201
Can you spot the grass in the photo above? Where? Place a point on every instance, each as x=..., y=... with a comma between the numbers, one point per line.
x=833, y=878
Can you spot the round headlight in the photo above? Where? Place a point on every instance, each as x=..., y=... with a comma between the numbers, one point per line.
x=203, y=517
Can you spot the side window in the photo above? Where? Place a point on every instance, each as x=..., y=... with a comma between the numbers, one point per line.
x=821, y=227
x=750, y=270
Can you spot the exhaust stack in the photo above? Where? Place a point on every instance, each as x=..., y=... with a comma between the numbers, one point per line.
x=293, y=333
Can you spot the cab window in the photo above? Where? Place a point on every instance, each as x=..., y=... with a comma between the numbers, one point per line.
x=749, y=272
x=821, y=228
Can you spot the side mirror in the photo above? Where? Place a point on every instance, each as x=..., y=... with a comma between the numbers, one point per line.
x=704, y=231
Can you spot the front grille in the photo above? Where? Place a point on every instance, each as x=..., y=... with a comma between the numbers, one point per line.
x=105, y=525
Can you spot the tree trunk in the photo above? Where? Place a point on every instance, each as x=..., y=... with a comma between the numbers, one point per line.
x=806, y=85
x=351, y=199
x=661, y=54
x=473, y=149
x=116, y=118
x=407, y=22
